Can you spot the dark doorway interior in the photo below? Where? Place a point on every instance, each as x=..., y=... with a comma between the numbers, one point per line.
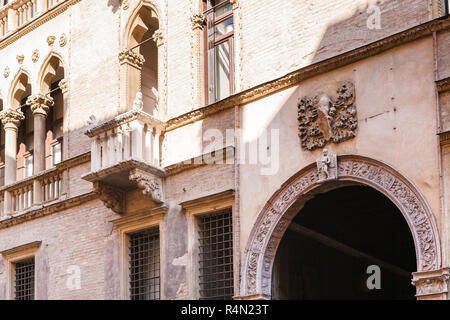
x=332, y=241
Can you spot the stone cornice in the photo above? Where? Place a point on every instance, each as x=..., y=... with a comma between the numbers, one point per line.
x=296, y=77
x=125, y=118
x=46, y=210
x=224, y=196
x=444, y=138
x=443, y=85
x=140, y=216
x=26, y=247
x=40, y=20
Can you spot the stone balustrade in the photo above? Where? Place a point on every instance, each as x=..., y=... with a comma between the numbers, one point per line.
x=18, y=13
x=32, y=192
x=134, y=135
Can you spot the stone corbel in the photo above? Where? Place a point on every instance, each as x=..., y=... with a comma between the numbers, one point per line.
x=197, y=21
x=150, y=184
x=431, y=285
x=158, y=37
x=113, y=198
x=40, y=104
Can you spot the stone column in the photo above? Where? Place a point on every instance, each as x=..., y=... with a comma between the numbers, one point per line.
x=431, y=285
x=161, y=102
x=11, y=120
x=131, y=64
x=40, y=105
x=197, y=95
x=12, y=19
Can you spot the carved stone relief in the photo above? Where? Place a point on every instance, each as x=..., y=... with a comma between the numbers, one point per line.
x=325, y=119
x=275, y=217
x=113, y=198
x=150, y=184
x=327, y=166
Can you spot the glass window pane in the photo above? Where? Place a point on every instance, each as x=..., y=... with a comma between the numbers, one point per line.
x=56, y=151
x=28, y=166
x=222, y=70
x=221, y=9
x=224, y=27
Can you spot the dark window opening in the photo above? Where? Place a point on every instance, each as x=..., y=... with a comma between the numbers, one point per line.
x=24, y=280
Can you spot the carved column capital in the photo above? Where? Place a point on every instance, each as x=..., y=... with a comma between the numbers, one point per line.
x=40, y=104
x=197, y=21
x=431, y=284
x=113, y=198
x=158, y=37
x=150, y=184
x=234, y=3
x=11, y=118
x=131, y=58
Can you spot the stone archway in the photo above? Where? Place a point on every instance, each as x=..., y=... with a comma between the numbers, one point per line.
x=273, y=220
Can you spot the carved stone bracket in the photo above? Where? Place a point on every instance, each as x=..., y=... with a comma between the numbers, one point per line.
x=150, y=184
x=197, y=21
x=131, y=58
x=40, y=103
x=431, y=284
x=158, y=37
x=113, y=198
x=324, y=119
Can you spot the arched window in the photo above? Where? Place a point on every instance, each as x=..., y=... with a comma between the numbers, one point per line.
x=21, y=92
x=141, y=42
x=53, y=74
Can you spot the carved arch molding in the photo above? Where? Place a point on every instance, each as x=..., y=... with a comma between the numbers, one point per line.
x=430, y=279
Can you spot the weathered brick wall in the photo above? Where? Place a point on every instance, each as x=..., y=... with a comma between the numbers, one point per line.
x=76, y=237
x=281, y=36
x=443, y=54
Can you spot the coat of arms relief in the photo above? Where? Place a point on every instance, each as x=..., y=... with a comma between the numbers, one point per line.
x=325, y=119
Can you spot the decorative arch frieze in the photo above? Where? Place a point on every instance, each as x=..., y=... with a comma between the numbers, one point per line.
x=48, y=69
x=18, y=86
x=279, y=211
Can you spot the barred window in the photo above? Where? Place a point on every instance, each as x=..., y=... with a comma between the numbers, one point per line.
x=144, y=265
x=24, y=280
x=216, y=256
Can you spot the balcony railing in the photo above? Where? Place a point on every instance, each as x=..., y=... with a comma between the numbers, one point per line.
x=35, y=191
x=20, y=12
x=134, y=135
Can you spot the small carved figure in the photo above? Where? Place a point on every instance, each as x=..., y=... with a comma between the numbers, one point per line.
x=327, y=166
x=138, y=104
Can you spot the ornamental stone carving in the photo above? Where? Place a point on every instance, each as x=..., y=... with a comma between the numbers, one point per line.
x=432, y=284
x=132, y=58
x=158, y=37
x=150, y=184
x=20, y=58
x=35, y=56
x=276, y=216
x=62, y=40
x=112, y=198
x=11, y=118
x=40, y=103
x=324, y=119
x=197, y=21
x=327, y=166
x=51, y=40
x=64, y=86
x=6, y=72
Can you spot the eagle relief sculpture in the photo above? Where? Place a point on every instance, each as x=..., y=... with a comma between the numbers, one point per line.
x=324, y=119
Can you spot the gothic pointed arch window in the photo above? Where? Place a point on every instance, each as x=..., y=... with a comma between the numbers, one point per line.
x=142, y=57
x=25, y=142
x=52, y=76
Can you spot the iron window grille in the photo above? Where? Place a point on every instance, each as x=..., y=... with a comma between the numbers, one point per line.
x=216, y=256
x=24, y=280
x=145, y=265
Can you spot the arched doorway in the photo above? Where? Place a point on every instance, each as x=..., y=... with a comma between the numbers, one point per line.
x=347, y=243
x=430, y=279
